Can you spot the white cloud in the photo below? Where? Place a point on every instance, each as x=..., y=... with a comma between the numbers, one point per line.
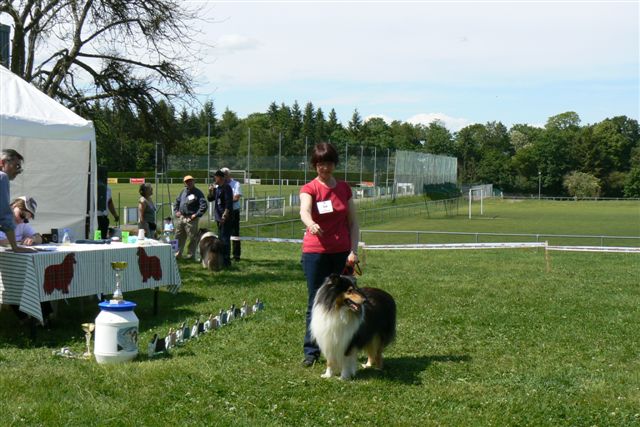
x=388, y=120
x=232, y=43
x=451, y=123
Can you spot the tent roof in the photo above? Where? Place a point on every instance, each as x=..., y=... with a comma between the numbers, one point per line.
x=27, y=112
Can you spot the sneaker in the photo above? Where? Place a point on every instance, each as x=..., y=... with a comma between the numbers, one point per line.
x=309, y=361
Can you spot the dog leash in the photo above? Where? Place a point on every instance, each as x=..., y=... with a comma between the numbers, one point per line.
x=352, y=270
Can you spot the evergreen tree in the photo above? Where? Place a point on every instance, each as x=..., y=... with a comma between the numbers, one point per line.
x=332, y=124
x=296, y=122
x=207, y=118
x=320, y=128
x=308, y=123
x=355, y=126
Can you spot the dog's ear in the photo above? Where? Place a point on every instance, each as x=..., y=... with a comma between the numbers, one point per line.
x=351, y=280
x=334, y=279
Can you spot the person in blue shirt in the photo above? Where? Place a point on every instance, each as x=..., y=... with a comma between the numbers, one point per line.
x=222, y=197
x=188, y=209
x=235, y=213
x=10, y=167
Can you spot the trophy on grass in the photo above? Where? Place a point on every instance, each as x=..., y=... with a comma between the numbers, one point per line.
x=88, y=328
x=118, y=267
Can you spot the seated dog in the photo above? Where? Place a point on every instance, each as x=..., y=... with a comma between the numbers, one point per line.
x=210, y=250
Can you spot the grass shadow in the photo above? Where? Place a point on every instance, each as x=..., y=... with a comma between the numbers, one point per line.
x=407, y=370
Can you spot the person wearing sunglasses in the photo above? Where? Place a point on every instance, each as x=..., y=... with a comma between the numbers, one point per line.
x=10, y=168
x=24, y=210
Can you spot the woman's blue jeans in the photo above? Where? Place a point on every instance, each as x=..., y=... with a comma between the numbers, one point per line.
x=316, y=268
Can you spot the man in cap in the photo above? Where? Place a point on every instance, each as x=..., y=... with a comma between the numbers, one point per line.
x=189, y=207
x=222, y=197
x=10, y=167
x=235, y=213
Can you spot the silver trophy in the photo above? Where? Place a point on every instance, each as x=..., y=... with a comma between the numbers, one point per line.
x=118, y=266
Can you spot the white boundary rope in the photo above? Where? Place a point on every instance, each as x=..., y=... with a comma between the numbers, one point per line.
x=619, y=249
x=266, y=239
x=457, y=246
x=426, y=246
x=513, y=245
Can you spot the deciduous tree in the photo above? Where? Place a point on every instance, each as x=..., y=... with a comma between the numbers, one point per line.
x=80, y=51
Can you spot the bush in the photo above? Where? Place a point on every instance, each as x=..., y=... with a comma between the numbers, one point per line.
x=580, y=184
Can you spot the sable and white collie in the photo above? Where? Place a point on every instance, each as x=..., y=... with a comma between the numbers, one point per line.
x=347, y=319
x=210, y=250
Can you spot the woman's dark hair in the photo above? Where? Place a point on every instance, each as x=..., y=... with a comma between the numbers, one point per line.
x=143, y=189
x=324, y=152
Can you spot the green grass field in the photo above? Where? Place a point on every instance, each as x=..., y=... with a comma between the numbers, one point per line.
x=484, y=338
x=610, y=218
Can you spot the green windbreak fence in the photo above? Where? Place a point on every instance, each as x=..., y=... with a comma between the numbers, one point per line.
x=415, y=172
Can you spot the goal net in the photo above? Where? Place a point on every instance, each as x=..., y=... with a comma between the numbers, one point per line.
x=267, y=207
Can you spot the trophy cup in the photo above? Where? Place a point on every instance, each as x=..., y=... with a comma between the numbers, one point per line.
x=88, y=328
x=118, y=266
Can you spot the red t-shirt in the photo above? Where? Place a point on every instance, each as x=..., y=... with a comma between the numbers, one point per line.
x=334, y=224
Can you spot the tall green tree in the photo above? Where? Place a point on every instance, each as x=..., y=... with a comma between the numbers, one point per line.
x=376, y=132
x=296, y=122
x=332, y=123
x=207, y=118
x=309, y=123
x=438, y=139
x=131, y=51
x=320, y=126
x=231, y=135
x=355, y=126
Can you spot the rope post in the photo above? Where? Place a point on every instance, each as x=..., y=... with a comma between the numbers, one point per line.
x=546, y=256
x=362, y=258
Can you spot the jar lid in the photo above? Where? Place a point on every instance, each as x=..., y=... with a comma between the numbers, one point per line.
x=121, y=306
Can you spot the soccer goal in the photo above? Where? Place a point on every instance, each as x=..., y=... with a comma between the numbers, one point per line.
x=267, y=207
x=240, y=175
x=479, y=193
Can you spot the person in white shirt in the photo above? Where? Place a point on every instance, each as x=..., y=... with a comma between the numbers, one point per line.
x=24, y=210
x=235, y=213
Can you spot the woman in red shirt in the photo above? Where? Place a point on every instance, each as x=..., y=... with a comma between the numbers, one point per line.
x=331, y=238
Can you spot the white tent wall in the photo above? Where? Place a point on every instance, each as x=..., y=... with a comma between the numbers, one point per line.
x=60, y=156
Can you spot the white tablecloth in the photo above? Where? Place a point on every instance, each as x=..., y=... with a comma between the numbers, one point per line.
x=83, y=269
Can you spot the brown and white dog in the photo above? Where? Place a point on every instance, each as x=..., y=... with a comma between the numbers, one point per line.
x=347, y=319
x=210, y=250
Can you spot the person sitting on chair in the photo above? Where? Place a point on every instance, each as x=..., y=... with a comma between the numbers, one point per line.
x=24, y=210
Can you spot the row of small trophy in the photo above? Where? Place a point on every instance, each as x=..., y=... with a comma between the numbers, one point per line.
x=184, y=332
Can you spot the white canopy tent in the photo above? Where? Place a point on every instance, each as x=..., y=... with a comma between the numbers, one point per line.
x=59, y=148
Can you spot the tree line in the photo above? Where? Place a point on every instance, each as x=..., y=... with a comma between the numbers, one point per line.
x=125, y=63
x=604, y=157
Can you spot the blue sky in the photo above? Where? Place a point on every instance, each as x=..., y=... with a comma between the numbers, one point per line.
x=460, y=61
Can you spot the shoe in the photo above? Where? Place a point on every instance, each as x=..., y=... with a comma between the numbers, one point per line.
x=309, y=361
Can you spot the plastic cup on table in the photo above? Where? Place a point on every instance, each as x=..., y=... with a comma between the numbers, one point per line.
x=124, y=237
x=97, y=235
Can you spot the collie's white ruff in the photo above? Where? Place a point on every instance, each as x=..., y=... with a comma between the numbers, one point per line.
x=333, y=330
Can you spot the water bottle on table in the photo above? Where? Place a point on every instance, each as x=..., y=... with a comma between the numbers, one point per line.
x=66, y=238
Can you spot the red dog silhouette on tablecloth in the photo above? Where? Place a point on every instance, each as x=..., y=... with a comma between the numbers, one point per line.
x=149, y=266
x=59, y=276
